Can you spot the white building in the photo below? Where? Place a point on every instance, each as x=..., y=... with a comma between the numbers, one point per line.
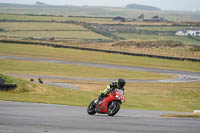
x=188, y=32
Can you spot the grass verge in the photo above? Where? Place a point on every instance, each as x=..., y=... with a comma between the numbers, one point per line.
x=33, y=92
x=22, y=85
x=181, y=97
x=191, y=115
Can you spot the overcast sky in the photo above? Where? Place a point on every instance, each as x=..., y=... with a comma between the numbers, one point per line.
x=163, y=4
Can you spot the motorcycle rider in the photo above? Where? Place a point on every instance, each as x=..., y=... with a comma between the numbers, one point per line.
x=114, y=85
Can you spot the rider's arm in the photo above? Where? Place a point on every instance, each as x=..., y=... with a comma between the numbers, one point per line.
x=113, y=85
x=107, y=90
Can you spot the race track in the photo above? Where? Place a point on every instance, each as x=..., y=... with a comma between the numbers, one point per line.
x=18, y=117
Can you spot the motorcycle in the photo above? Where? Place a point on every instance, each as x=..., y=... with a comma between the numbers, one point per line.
x=110, y=105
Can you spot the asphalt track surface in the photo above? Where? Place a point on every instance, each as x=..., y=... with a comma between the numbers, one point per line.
x=18, y=117
x=183, y=76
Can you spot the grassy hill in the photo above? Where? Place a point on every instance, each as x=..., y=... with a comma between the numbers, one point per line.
x=22, y=85
x=142, y=7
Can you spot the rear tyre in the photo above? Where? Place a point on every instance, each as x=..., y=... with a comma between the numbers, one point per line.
x=113, y=108
x=91, y=108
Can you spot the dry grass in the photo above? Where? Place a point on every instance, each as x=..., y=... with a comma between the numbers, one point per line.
x=39, y=26
x=185, y=115
x=183, y=52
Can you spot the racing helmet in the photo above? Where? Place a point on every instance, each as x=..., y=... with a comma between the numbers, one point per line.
x=121, y=83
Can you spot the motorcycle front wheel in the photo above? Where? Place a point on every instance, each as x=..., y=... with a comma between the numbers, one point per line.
x=113, y=108
x=91, y=108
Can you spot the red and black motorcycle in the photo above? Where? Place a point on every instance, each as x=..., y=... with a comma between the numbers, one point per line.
x=109, y=105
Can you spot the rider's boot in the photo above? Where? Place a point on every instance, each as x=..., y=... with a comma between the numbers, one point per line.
x=99, y=99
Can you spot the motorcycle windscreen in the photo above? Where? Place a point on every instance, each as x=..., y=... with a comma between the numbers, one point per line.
x=120, y=92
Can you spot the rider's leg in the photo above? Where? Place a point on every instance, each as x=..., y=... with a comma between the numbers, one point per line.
x=101, y=97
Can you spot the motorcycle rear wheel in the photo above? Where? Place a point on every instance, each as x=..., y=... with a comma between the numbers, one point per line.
x=113, y=108
x=91, y=108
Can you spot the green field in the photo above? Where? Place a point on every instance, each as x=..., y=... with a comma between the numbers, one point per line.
x=55, y=34
x=47, y=30
x=51, y=69
x=33, y=18
x=185, y=40
x=99, y=57
x=162, y=28
x=63, y=31
x=24, y=17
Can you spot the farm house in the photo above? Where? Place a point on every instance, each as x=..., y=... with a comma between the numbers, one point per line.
x=188, y=32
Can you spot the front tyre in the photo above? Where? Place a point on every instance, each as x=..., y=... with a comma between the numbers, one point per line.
x=91, y=108
x=113, y=108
